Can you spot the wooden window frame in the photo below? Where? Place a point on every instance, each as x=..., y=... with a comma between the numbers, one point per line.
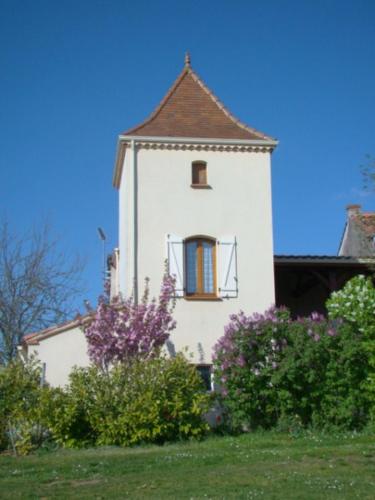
x=200, y=294
x=194, y=175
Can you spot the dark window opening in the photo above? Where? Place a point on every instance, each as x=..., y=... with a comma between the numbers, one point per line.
x=205, y=373
x=199, y=173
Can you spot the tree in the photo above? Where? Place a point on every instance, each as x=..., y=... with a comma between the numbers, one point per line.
x=122, y=330
x=37, y=286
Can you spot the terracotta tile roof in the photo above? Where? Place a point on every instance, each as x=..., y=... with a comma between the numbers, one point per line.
x=34, y=338
x=190, y=109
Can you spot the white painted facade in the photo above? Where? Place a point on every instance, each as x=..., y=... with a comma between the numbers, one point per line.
x=60, y=351
x=156, y=200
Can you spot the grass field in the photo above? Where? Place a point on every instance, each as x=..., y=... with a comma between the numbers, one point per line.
x=249, y=466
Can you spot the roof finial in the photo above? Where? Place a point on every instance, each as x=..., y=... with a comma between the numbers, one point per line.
x=187, y=60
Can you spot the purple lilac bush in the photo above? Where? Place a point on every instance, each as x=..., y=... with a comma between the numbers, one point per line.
x=122, y=330
x=271, y=369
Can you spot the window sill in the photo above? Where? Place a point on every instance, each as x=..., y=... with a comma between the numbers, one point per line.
x=200, y=186
x=212, y=298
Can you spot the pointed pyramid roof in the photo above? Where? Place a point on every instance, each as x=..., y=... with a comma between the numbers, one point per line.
x=190, y=109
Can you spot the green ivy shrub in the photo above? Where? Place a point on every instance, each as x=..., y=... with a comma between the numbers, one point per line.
x=355, y=304
x=20, y=416
x=153, y=401
x=273, y=370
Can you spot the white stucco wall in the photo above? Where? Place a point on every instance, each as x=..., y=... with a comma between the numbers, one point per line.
x=60, y=353
x=238, y=204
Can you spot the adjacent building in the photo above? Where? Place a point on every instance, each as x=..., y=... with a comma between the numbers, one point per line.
x=358, y=239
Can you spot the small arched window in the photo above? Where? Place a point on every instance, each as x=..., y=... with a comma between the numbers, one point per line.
x=200, y=267
x=199, y=174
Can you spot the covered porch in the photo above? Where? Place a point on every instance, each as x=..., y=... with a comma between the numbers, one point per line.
x=303, y=283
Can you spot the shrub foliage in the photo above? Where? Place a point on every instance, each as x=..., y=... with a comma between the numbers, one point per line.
x=131, y=394
x=145, y=401
x=153, y=401
x=355, y=305
x=273, y=370
x=20, y=408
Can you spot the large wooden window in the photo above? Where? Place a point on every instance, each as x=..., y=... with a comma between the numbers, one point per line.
x=200, y=268
x=199, y=174
x=192, y=261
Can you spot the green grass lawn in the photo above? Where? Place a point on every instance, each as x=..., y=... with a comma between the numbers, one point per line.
x=255, y=465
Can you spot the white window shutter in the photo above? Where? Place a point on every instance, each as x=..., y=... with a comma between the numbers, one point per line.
x=175, y=253
x=228, y=267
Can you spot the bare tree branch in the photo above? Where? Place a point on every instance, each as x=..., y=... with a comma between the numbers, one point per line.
x=38, y=285
x=368, y=173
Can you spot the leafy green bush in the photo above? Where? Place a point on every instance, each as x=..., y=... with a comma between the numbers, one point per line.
x=273, y=370
x=355, y=304
x=344, y=403
x=20, y=416
x=64, y=413
x=149, y=401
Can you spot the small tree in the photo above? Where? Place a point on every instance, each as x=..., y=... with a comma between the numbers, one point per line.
x=37, y=286
x=122, y=329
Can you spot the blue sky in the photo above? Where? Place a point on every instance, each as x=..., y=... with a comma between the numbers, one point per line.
x=74, y=74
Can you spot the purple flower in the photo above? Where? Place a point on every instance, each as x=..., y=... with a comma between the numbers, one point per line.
x=317, y=317
x=225, y=365
x=241, y=361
